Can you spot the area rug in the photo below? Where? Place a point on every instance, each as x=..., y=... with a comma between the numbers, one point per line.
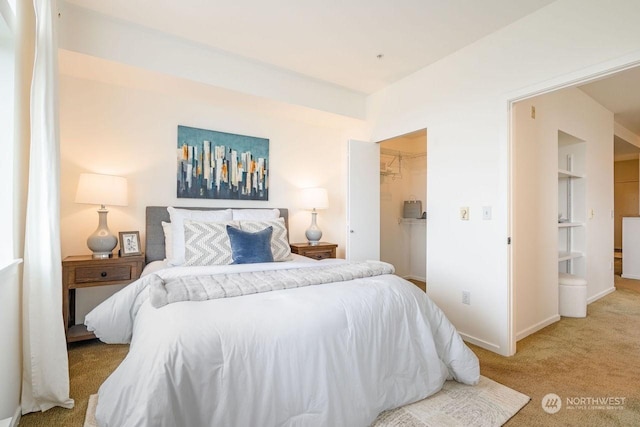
x=487, y=404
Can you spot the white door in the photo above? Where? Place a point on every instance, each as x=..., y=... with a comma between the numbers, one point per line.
x=363, y=202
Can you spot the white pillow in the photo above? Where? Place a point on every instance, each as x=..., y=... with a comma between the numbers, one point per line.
x=177, y=228
x=168, y=240
x=255, y=214
x=279, y=239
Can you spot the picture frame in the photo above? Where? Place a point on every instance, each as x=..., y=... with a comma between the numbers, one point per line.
x=129, y=243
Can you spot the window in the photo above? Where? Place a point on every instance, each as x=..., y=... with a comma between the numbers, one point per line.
x=7, y=106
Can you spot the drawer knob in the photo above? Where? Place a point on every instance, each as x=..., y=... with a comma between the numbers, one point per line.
x=103, y=274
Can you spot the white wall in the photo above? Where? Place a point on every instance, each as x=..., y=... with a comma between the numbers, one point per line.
x=536, y=204
x=122, y=120
x=462, y=100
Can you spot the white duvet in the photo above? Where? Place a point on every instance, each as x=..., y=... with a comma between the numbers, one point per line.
x=334, y=355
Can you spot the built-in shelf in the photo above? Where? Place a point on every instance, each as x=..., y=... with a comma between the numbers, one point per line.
x=563, y=173
x=570, y=224
x=566, y=256
x=571, y=204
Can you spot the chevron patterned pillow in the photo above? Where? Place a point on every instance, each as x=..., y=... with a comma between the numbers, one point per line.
x=207, y=243
x=279, y=239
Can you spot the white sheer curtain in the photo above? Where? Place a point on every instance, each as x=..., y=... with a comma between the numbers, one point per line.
x=45, y=376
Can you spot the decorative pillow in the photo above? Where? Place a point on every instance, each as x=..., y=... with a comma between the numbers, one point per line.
x=168, y=240
x=255, y=214
x=279, y=241
x=177, y=227
x=249, y=248
x=207, y=243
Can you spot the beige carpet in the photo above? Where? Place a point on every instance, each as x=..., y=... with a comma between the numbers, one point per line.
x=487, y=404
x=597, y=357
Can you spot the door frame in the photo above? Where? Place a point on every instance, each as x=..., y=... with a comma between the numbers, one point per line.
x=576, y=78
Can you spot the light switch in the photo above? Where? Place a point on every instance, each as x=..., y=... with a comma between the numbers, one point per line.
x=464, y=213
x=486, y=212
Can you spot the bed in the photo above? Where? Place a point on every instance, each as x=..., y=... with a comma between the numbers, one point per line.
x=334, y=352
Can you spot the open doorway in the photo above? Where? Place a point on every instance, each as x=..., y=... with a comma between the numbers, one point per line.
x=403, y=201
x=626, y=173
x=539, y=221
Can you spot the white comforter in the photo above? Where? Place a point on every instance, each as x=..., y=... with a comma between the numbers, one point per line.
x=336, y=354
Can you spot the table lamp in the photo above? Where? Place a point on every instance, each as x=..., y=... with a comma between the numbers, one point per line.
x=102, y=190
x=314, y=198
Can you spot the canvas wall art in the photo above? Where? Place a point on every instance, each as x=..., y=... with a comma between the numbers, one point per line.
x=219, y=165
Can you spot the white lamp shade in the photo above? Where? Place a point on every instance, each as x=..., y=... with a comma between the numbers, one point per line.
x=315, y=198
x=97, y=189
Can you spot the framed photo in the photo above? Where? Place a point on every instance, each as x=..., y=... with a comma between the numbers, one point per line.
x=129, y=243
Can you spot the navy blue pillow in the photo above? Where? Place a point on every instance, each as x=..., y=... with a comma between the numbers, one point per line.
x=249, y=248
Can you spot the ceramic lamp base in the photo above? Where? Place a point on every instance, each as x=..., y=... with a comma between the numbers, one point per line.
x=102, y=242
x=313, y=233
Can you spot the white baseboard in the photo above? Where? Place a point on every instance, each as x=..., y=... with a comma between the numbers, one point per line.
x=480, y=343
x=535, y=328
x=601, y=294
x=630, y=276
x=14, y=421
x=410, y=277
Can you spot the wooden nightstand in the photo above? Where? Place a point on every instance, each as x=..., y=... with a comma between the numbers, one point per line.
x=85, y=272
x=320, y=251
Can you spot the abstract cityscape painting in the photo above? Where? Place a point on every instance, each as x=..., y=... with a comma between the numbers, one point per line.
x=219, y=165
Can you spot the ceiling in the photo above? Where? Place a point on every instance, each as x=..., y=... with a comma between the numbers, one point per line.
x=335, y=41
x=620, y=94
x=339, y=41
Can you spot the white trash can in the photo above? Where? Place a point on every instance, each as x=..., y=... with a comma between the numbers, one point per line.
x=573, y=295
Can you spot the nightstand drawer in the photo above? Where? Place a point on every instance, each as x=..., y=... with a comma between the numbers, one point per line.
x=320, y=254
x=322, y=250
x=107, y=273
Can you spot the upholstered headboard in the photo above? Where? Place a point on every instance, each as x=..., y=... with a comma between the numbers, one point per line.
x=154, y=236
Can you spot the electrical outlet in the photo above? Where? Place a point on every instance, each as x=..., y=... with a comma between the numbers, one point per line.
x=466, y=297
x=464, y=213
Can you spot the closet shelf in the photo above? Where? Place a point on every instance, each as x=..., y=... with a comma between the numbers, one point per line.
x=570, y=224
x=563, y=173
x=566, y=256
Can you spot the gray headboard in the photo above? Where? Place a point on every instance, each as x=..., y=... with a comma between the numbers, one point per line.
x=154, y=236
